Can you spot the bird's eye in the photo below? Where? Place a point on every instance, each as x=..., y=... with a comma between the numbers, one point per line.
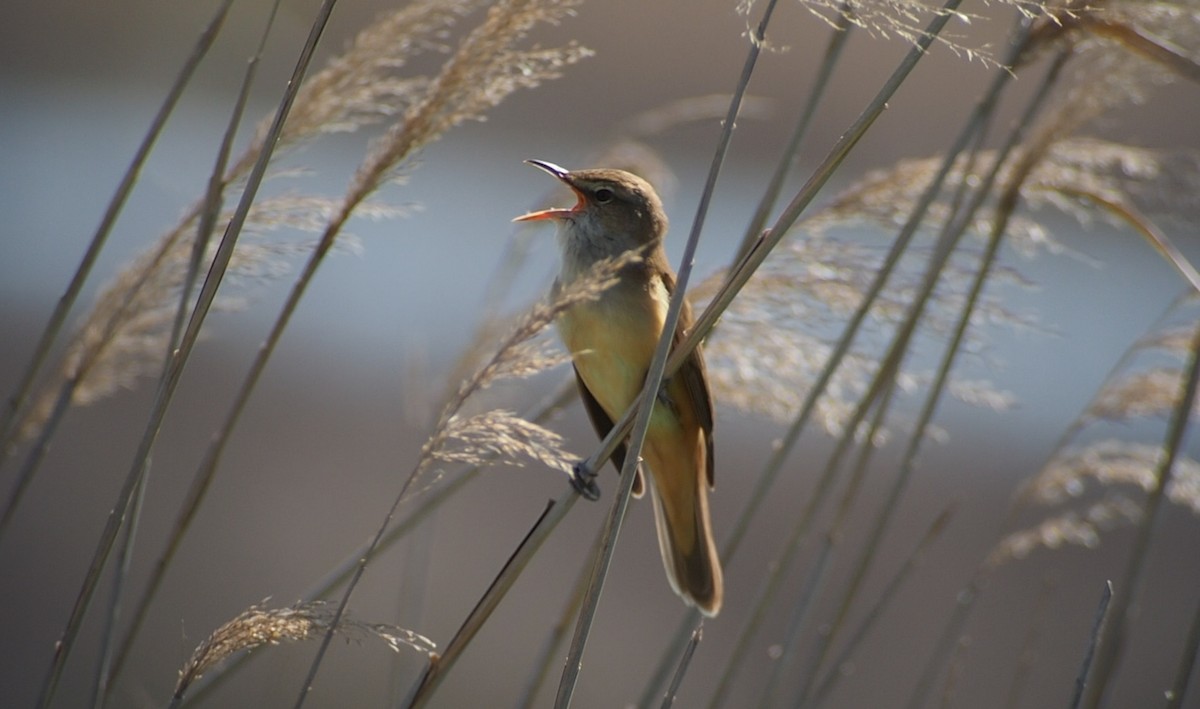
x=603, y=195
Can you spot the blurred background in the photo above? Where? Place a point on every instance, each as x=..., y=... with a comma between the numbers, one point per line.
x=348, y=398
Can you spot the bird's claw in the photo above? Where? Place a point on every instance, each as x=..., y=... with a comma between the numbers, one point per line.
x=584, y=481
x=665, y=399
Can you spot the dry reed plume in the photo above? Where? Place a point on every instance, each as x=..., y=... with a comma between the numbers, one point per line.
x=127, y=335
x=499, y=436
x=906, y=20
x=1110, y=466
x=773, y=344
x=494, y=437
x=123, y=337
x=122, y=340
x=776, y=337
x=258, y=626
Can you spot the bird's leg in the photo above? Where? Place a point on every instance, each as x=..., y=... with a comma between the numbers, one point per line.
x=584, y=481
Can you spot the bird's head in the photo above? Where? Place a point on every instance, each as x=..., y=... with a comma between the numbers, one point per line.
x=614, y=210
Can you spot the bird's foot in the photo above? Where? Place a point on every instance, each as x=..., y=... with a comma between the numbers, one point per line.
x=665, y=399
x=584, y=481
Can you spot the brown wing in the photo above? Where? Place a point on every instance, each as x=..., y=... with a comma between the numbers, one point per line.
x=694, y=377
x=603, y=424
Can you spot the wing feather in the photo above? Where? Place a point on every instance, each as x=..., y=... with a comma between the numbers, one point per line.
x=603, y=424
x=694, y=377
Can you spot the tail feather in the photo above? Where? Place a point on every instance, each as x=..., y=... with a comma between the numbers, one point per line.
x=688, y=552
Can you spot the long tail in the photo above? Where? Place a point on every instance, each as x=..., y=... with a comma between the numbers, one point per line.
x=686, y=541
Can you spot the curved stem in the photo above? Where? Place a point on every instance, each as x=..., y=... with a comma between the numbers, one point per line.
x=17, y=400
x=166, y=391
x=1111, y=644
x=741, y=274
x=554, y=513
x=787, y=160
x=209, y=213
x=654, y=378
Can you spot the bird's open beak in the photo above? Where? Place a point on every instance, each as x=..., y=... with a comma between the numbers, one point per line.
x=563, y=175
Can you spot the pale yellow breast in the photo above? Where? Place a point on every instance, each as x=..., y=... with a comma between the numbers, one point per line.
x=612, y=341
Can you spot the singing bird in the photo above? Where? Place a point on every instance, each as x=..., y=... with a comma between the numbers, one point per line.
x=612, y=340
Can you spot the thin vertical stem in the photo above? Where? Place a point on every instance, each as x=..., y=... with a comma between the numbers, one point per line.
x=166, y=390
x=209, y=213
x=886, y=597
x=346, y=569
x=787, y=160
x=1187, y=661
x=1004, y=210
x=1111, y=644
x=1094, y=639
x=654, y=378
x=545, y=657
x=754, y=258
x=684, y=663
x=831, y=538
x=554, y=513
x=101, y=685
x=115, y=205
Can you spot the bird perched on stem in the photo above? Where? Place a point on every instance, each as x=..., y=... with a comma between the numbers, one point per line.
x=612, y=340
